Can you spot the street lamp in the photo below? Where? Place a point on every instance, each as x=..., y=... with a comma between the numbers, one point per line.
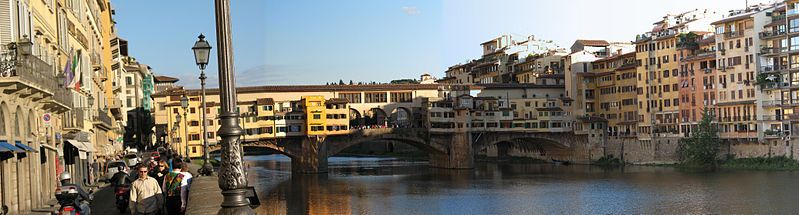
x=184, y=102
x=232, y=179
x=176, y=136
x=202, y=50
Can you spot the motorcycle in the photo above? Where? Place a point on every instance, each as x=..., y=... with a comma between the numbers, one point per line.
x=122, y=193
x=66, y=196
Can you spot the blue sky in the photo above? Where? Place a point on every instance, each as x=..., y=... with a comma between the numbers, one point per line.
x=278, y=42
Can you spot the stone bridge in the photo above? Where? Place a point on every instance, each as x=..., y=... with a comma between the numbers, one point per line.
x=454, y=150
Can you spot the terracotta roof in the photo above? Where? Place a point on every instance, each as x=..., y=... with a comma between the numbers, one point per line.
x=734, y=18
x=337, y=101
x=304, y=88
x=593, y=42
x=265, y=101
x=517, y=86
x=162, y=78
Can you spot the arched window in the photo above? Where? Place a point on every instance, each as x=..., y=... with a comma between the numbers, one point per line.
x=31, y=124
x=2, y=121
x=18, y=122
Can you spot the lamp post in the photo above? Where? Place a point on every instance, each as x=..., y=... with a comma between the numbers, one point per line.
x=184, y=102
x=232, y=179
x=202, y=50
x=175, y=134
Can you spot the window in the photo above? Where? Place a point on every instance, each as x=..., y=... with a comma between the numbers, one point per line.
x=351, y=97
x=193, y=149
x=317, y=116
x=192, y=110
x=195, y=123
x=402, y=97
x=2, y=123
x=210, y=135
x=193, y=137
x=793, y=25
x=129, y=80
x=379, y=97
x=267, y=107
x=794, y=43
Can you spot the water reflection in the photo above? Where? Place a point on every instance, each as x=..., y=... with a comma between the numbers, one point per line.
x=391, y=186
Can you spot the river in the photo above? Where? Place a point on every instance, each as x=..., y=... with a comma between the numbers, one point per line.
x=393, y=186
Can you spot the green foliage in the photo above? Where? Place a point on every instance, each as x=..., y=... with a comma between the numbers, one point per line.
x=688, y=41
x=405, y=81
x=772, y=163
x=702, y=148
x=608, y=161
x=761, y=80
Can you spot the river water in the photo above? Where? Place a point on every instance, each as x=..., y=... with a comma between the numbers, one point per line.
x=392, y=186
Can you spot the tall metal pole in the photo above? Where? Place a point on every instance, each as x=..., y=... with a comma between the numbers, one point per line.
x=186, y=130
x=232, y=179
x=207, y=168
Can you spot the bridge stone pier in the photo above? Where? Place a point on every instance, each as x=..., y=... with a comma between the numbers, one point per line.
x=451, y=150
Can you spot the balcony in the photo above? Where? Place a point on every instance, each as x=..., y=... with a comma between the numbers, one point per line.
x=102, y=120
x=30, y=77
x=73, y=120
x=733, y=35
x=771, y=34
x=116, y=109
x=773, y=50
x=778, y=18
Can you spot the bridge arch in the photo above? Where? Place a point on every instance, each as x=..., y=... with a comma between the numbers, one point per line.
x=376, y=117
x=401, y=117
x=271, y=145
x=356, y=119
x=411, y=137
x=546, y=146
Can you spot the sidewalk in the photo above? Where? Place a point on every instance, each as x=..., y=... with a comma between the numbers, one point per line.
x=205, y=196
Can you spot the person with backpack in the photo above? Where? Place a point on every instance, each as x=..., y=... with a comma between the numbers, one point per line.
x=175, y=189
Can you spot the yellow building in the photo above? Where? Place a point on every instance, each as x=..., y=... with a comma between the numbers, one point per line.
x=658, y=82
x=615, y=90
x=315, y=112
x=337, y=114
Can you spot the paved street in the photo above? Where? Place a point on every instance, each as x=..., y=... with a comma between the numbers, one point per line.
x=104, y=202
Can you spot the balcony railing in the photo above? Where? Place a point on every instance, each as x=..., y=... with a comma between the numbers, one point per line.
x=733, y=34
x=35, y=76
x=770, y=34
x=74, y=119
x=778, y=18
x=773, y=50
x=101, y=118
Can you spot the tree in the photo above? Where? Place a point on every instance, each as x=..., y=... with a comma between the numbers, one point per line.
x=702, y=148
x=351, y=82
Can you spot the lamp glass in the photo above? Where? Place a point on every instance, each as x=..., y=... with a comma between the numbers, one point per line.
x=184, y=102
x=202, y=51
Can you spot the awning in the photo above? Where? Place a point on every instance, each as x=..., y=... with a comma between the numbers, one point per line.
x=78, y=145
x=89, y=147
x=43, y=145
x=6, y=147
x=25, y=147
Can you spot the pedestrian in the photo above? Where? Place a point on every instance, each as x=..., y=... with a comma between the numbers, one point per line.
x=187, y=176
x=160, y=172
x=145, y=194
x=176, y=190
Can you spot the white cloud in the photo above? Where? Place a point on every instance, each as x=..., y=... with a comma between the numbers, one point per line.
x=410, y=11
